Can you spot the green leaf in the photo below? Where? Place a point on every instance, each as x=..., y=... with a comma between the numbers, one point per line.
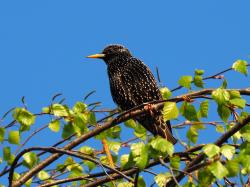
x=192, y=134
x=2, y=132
x=170, y=111
x=29, y=159
x=205, y=177
x=87, y=150
x=6, y=153
x=162, y=145
x=240, y=66
x=79, y=124
x=175, y=162
x=91, y=165
x=16, y=176
x=126, y=161
x=80, y=107
x=141, y=182
x=220, y=95
x=224, y=84
x=114, y=132
x=228, y=151
x=211, y=150
x=165, y=92
x=23, y=116
x=241, y=103
x=245, y=132
x=140, y=154
x=199, y=72
x=114, y=146
x=43, y=175
x=161, y=179
x=54, y=125
x=198, y=81
x=234, y=94
x=233, y=168
x=189, y=112
x=203, y=111
x=11, y=159
x=68, y=130
x=185, y=81
x=139, y=130
x=220, y=128
x=218, y=170
x=29, y=182
x=224, y=112
x=125, y=184
x=14, y=137
x=59, y=110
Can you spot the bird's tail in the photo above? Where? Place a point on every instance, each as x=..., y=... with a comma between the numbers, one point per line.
x=158, y=127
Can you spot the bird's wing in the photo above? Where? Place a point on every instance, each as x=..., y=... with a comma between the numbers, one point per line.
x=140, y=83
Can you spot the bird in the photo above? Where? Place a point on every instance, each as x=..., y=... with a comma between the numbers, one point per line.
x=132, y=84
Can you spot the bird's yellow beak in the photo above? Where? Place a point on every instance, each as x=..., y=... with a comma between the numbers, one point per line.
x=96, y=56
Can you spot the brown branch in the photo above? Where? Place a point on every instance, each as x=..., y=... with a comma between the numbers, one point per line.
x=218, y=142
x=61, y=151
x=215, y=76
x=139, y=110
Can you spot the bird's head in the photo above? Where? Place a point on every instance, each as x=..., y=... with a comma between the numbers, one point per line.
x=111, y=52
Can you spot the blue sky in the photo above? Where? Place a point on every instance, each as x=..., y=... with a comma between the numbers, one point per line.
x=44, y=44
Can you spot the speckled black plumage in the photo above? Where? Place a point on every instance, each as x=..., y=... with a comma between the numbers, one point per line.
x=132, y=84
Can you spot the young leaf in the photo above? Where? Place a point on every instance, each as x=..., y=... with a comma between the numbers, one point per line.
x=220, y=95
x=211, y=150
x=233, y=168
x=189, y=111
x=140, y=155
x=161, y=179
x=199, y=72
x=185, y=81
x=224, y=112
x=125, y=184
x=14, y=137
x=141, y=182
x=175, y=162
x=80, y=107
x=29, y=159
x=240, y=66
x=228, y=151
x=165, y=92
x=23, y=116
x=162, y=145
x=234, y=94
x=54, y=125
x=192, y=134
x=203, y=111
x=170, y=111
x=114, y=146
x=6, y=153
x=220, y=128
x=59, y=110
x=205, y=177
x=87, y=150
x=218, y=170
x=2, y=132
x=43, y=175
x=198, y=81
x=241, y=103
x=68, y=130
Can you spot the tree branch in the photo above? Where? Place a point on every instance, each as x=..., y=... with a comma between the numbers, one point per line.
x=218, y=142
x=136, y=111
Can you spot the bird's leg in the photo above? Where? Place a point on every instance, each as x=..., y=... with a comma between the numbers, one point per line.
x=187, y=99
x=151, y=109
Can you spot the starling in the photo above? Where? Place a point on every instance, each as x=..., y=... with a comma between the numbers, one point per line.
x=132, y=84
